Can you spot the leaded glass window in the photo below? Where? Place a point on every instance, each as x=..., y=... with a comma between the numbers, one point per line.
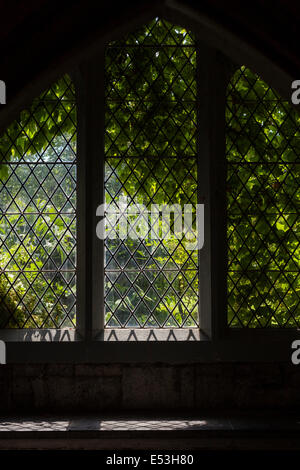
x=151, y=161
x=38, y=213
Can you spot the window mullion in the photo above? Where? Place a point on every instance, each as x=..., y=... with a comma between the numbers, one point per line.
x=90, y=97
x=213, y=72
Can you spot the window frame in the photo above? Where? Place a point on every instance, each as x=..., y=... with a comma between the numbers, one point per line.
x=216, y=341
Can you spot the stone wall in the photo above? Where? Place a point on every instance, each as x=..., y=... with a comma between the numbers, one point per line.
x=81, y=388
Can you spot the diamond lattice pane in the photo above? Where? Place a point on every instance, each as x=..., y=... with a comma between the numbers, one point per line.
x=263, y=199
x=151, y=275
x=38, y=213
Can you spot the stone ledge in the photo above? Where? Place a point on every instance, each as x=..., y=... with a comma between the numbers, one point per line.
x=233, y=431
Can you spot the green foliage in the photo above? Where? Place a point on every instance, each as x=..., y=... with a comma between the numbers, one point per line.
x=50, y=115
x=37, y=225
x=150, y=113
x=150, y=146
x=263, y=148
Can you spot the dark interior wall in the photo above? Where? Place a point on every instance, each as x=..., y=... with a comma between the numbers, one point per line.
x=115, y=387
x=269, y=26
x=40, y=38
x=37, y=40
x=37, y=33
